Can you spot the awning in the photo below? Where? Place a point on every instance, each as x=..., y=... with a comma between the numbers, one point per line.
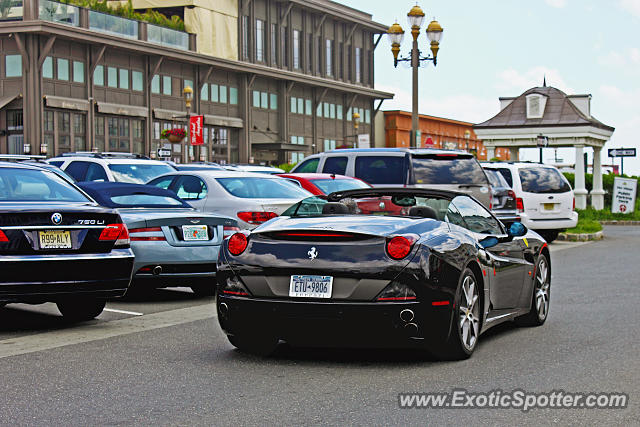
x=279, y=146
x=123, y=110
x=161, y=114
x=8, y=99
x=66, y=103
x=232, y=122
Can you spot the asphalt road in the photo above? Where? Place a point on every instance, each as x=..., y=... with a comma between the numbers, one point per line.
x=163, y=360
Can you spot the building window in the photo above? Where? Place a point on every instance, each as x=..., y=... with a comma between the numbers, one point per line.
x=112, y=77
x=137, y=131
x=296, y=157
x=99, y=141
x=215, y=93
x=14, y=120
x=296, y=49
x=308, y=109
x=350, y=64
x=367, y=116
x=47, y=68
x=233, y=95
x=300, y=106
x=64, y=132
x=13, y=65
x=264, y=100
x=245, y=38
x=166, y=85
x=274, y=44
x=124, y=78
x=259, y=40
x=294, y=104
x=299, y=140
x=309, y=54
x=156, y=130
x=155, y=84
x=256, y=99
x=358, y=65
x=329, y=144
x=339, y=112
x=284, y=46
x=48, y=130
x=326, y=110
x=319, y=110
x=63, y=69
x=118, y=134
x=98, y=76
x=187, y=83
x=204, y=92
x=137, y=81
x=223, y=94
x=78, y=72
x=79, y=132
x=349, y=115
x=319, y=61
x=341, y=61
x=332, y=111
x=273, y=101
x=329, y=57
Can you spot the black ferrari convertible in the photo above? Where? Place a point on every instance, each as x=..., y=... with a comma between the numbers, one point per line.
x=381, y=268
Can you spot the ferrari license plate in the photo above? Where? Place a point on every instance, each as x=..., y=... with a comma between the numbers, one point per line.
x=549, y=206
x=195, y=232
x=310, y=286
x=55, y=239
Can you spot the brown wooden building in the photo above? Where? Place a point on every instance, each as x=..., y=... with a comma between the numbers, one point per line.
x=275, y=80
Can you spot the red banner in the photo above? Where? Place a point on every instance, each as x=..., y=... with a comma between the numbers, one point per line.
x=195, y=130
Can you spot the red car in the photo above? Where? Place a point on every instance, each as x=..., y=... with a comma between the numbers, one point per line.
x=321, y=184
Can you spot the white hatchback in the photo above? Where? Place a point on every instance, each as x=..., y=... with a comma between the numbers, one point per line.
x=544, y=197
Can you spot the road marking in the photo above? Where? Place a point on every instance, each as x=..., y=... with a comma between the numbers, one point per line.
x=133, y=313
x=96, y=330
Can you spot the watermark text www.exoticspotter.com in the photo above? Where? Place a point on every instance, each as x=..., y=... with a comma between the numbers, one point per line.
x=515, y=399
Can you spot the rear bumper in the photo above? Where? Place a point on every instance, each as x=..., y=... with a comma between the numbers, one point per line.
x=41, y=278
x=507, y=216
x=550, y=223
x=343, y=324
x=176, y=264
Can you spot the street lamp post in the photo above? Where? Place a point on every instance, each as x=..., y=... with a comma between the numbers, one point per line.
x=356, y=124
x=396, y=35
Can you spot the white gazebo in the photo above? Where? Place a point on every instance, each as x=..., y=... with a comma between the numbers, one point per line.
x=565, y=120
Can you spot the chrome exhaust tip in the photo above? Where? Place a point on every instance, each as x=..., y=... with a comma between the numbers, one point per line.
x=411, y=329
x=223, y=308
x=157, y=270
x=407, y=315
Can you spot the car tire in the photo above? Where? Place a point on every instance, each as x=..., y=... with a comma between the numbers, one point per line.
x=259, y=345
x=549, y=235
x=465, y=323
x=541, y=294
x=80, y=309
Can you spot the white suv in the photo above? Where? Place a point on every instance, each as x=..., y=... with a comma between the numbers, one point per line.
x=120, y=167
x=544, y=197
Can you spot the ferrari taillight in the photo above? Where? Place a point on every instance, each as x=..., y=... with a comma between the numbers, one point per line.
x=3, y=237
x=256, y=217
x=574, y=203
x=519, y=204
x=399, y=247
x=396, y=291
x=229, y=230
x=238, y=243
x=117, y=232
x=151, y=234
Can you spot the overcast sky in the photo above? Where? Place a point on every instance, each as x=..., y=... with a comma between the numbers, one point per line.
x=494, y=48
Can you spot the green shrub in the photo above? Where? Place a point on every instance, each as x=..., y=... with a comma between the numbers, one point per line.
x=287, y=167
x=607, y=184
x=586, y=226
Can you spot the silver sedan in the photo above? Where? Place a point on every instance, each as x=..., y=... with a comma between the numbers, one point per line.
x=251, y=198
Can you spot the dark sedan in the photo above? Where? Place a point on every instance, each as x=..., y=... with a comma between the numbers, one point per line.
x=435, y=275
x=57, y=245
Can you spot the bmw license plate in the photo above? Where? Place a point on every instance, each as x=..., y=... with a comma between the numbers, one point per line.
x=195, y=232
x=310, y=286
x=54, y=239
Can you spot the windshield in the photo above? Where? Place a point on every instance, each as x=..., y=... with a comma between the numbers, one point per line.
x=262, y=188
x=18, y=185
x=543, y=180
x=328, y=186
x=138, y=173
x=147, y=200
x=447, y=169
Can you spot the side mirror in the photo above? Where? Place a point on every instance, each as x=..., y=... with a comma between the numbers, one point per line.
x=489, y=242
x=517, y=229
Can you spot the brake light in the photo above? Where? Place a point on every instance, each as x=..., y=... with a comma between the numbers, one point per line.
x=256, y=217
x=399, y=247
x=3, y=237
x=138, y=231
x=511, y=194
x=574, y=203
x=490, y=198
x=238, y=243
x=519, y=204
x=229, y=230
x=117, y=232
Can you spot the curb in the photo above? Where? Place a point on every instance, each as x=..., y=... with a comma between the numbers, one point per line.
x=621, y=222
x=584, y=237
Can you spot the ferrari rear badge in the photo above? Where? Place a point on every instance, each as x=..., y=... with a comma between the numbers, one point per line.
x=312, y=253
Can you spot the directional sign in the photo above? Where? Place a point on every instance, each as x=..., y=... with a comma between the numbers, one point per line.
x=624, y=195
x=164, y=152
x=622, y=152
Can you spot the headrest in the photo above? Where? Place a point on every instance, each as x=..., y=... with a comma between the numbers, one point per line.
x=423, y=211
x=192, y=184
x=335, y=208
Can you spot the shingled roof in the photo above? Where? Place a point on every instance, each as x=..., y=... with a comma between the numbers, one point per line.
x=559, y=111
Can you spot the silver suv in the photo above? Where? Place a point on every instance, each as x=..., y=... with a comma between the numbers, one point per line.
x=405, y=167
x=120, y=167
